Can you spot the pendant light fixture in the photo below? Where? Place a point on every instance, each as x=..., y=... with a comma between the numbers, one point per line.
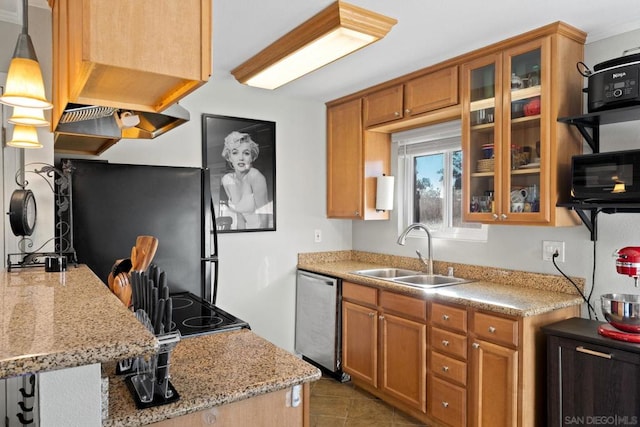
x=24, y=137
x=25, y=86
x=28, y=117
x=337, y=31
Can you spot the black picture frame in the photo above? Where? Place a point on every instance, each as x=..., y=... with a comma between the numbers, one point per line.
x=238, y=196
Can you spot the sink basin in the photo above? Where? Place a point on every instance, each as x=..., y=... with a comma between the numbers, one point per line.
x=411, y=277
x=386, y=273
x=429, y=281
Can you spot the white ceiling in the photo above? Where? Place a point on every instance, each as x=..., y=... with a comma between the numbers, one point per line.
x=427, y=32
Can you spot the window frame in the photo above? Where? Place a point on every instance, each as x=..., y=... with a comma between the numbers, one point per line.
x=444, y=139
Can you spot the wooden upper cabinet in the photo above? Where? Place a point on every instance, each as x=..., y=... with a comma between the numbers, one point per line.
x=422, y=94
x=431, y=91
x=383, y=106
x=143, y=55
x=355, y=158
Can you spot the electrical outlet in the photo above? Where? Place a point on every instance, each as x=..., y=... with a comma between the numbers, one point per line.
x=549, y=247
x=317, y=236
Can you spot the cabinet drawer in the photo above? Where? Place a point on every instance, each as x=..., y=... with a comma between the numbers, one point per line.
x=496, y=329
x=403, y=305
x=448, y=402
x=449, y=343
x=359, y=293
x=449, y=317
x=446, y=367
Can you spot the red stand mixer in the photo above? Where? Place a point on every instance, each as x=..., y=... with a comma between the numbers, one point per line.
x=622, y=311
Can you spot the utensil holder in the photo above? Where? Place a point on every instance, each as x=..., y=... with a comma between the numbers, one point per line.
x=150, y=386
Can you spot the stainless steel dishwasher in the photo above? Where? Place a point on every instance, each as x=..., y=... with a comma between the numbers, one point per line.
x=318, y=335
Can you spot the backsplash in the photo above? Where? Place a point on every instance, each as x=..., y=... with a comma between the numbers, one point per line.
x=548, y=282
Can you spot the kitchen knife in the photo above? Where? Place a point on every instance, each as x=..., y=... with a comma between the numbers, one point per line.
x=160, y=311
x=154, y=302
x=168, y=315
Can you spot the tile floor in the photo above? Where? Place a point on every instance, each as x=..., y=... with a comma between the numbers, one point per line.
x=335, y=404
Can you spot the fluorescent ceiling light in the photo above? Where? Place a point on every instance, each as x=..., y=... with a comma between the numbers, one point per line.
x=337, y=31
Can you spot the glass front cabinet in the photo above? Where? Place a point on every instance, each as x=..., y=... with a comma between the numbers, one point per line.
x=515, y=167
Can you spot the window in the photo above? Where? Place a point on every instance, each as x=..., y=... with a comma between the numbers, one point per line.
x=430, y=184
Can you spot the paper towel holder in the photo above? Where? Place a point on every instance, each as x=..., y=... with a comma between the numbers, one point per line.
x=384, y=193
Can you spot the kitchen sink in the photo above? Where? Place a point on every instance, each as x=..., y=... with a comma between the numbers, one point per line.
x=429, y=281
x=411, y=277
x=386, y=273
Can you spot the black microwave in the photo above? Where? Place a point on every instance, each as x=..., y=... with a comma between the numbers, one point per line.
x=606, y=177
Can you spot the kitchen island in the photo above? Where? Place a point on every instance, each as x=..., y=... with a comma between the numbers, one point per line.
x=237, y=378
x=52, y=321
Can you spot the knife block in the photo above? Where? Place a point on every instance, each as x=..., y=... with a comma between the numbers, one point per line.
x=150, y=385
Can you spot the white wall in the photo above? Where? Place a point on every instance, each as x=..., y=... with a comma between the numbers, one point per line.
x=520, y=248
x=257, y=281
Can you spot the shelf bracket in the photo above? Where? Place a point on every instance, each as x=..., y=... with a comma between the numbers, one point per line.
x=593, y=138
x=590, y=221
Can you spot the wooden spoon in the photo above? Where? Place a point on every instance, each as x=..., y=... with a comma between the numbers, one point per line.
x=146, y=247
x=124, y=291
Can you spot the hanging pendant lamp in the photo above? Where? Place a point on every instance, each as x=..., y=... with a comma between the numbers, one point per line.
x=25, y=86
x=24, y=137
x=28, y=117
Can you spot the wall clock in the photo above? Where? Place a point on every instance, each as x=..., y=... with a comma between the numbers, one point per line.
x=22, y=212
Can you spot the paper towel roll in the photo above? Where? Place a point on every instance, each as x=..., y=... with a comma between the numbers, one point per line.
x=384, y=193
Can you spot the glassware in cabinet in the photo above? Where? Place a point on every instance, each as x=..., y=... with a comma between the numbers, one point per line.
x=483, y=153
x=524, y=134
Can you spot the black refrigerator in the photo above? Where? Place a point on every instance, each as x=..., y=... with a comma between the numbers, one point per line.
x=113, y=203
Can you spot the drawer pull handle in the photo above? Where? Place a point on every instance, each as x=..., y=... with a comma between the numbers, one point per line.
x=492, y=330
x=581, y=349
x=445, y=369
x=445, y=317
x=445, y=343
x=475, y=345
x=445, y=404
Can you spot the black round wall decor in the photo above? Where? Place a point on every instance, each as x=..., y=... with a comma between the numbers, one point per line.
x=22, y=212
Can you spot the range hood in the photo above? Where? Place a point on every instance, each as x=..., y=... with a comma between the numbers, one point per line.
x=92, y=129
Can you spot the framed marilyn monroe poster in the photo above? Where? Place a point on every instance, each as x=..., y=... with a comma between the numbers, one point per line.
x=240, y=155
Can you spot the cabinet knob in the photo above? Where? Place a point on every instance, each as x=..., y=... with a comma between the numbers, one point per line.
x=492, y=330
x=503, y=217
x=445, y=369
x=445, y=317
x=408, y=111
x=445, y=343
x=445, y=404
x=381, y=317
x=371, y=314
x=396, y=113
x=475, y=345
x=357, y=213
x=495, y=217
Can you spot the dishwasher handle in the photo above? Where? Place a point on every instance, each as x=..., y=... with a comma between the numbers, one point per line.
x=324, y=279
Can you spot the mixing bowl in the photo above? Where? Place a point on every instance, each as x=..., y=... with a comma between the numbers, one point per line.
x=622, y=311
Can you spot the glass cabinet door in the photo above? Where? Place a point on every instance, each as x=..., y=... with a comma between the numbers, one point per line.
x=481, y=127
x=524, y=143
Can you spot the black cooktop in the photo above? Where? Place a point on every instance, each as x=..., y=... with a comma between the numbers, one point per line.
x=194, y=316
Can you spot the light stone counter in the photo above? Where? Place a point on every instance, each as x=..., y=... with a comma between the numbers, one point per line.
x=209, y=371
x=60, y=320
x=510, y=292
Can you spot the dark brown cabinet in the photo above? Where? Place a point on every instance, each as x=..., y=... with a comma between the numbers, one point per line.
x=592, y=380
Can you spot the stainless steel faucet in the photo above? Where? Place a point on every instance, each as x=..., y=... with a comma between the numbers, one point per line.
x=429, y=261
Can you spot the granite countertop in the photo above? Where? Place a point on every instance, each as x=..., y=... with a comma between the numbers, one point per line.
x=209, y=371
x=62, y=320
x=503, y=291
